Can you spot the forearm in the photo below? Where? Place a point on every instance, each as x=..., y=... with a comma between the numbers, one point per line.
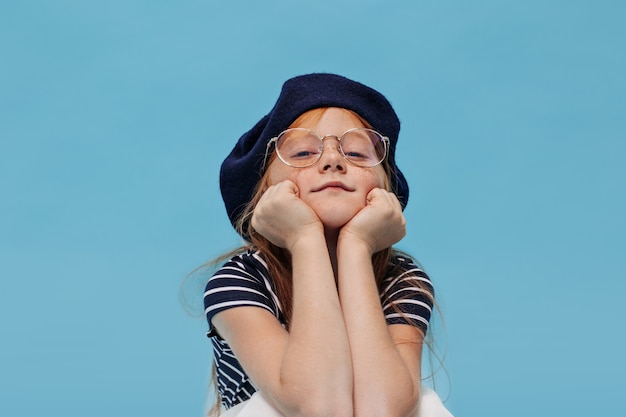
x=383, y=383
x=316, y=371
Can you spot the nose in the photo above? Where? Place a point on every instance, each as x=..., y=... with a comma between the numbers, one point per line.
x=331, y=158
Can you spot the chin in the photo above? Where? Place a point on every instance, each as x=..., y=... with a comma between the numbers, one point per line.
x=334, y=213
x=335, y=219
x=335, y=224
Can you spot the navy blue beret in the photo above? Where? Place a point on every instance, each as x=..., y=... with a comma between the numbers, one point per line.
x=242, y=168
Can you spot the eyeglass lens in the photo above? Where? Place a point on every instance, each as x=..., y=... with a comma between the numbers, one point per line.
x=300, y=147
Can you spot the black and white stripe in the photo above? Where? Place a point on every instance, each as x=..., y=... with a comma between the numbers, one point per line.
x=406, y=298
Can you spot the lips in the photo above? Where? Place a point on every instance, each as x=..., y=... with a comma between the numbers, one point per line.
x=333, y=185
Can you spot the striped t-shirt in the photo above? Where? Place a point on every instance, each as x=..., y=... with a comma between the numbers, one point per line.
x=245, y=281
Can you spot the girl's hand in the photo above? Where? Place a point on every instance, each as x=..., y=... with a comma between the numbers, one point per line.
x=282, y=217
x=379, y=224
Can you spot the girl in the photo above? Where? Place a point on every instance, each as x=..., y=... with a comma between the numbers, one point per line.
x=318, y=315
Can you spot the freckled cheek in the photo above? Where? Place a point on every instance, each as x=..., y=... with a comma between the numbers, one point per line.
x=373, y=180
x=281, y=173
x=293, y=176
x=276, y=172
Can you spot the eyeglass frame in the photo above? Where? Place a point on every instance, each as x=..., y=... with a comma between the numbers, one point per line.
x=384, y=139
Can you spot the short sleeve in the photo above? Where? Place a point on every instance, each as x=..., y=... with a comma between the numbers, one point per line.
x=407, y=294
x=242, y=281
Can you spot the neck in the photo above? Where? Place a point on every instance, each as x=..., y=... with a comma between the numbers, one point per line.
x=331, y=243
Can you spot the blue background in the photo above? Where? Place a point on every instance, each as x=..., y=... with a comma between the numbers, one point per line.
x=115, y=116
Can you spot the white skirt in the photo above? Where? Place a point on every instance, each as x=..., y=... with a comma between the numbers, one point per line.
x=430, y=406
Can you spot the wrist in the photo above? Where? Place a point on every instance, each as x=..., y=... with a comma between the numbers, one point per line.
x=306, y=240
x=349, y=243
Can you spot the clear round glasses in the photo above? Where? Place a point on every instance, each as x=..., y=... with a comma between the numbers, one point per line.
x=301, y=148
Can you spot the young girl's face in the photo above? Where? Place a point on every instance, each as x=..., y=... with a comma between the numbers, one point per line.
x=334, y=188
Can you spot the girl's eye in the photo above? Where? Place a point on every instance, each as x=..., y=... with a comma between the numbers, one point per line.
x=300, y=149
x=303, y=154
x=359, y=151
x=355, y=155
